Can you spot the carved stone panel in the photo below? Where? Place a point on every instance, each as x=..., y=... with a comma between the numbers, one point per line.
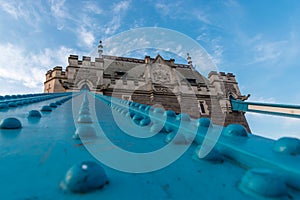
x=161, y=74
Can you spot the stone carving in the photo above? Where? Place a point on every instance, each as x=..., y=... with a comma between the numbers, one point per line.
x=161, y=75
x=160, y=89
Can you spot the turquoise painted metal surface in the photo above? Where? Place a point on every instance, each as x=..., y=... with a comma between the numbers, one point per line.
x=266, y=108
x=58, y=155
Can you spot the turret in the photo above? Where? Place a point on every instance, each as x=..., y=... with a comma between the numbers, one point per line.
x=189, y=59
x=100, y=49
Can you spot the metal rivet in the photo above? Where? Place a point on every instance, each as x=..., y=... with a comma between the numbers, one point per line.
x=84, y=177
x=142, y=107
x=53, y=105
x=12, y=104
x=170, y=114
x=146, y=121
x=3, y=106
x=263, y=182
x=287, y=145
x=46, y=109
x=137, y=117
x=235, y=130
x=20, y=102
x=34, y=113
x=10, y=123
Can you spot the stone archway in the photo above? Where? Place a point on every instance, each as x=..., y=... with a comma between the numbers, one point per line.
x=85, y=87
x=84, y=84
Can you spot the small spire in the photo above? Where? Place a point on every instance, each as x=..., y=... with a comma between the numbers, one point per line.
x=100, y=49
x=189, y=59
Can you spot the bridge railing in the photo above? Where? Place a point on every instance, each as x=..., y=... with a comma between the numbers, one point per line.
x=266, y=108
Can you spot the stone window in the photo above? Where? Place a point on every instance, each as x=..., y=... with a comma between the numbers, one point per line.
x=192, y=81
x=119, y=73
x=203, y=108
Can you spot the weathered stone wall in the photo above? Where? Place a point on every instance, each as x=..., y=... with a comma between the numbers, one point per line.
x=142, y=97
x=189, y=105
x=53, y=85
x=167, y=100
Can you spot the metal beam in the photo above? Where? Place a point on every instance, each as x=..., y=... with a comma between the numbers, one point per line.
x=266, y=108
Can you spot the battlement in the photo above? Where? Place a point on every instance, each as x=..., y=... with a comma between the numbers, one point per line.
x=73, y=57
x=56, y=72
x=146, y=60
x=126, y=59
x=76, y=62
x=87, y=60
x=57, y=68
x=221, y=76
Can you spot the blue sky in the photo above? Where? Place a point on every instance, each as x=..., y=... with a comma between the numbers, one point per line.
x=259, y=41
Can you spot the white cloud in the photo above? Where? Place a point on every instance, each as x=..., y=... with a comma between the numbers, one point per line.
x=268, y=51
x=203, y=37
x=181, y=10
x=90, y=6
x=119, y=10
x=232, y=4
x=203, y=17
x=29, y=68
x=138, y=23
x=31, y=13
x=121, y=6
x=215, y=49
x=86, y=37
x=58, y=9
x=60, y=12
x=10, y=8
x=113, y=26
x=163, y=8
x=87, y=24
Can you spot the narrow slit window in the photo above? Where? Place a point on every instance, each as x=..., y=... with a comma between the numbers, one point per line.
x=203, y=108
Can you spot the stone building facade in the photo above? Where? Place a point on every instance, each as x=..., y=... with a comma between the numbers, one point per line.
x=152, y=81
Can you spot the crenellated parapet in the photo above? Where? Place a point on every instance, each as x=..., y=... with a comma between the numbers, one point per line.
x=55, y=72
x=85, y=62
